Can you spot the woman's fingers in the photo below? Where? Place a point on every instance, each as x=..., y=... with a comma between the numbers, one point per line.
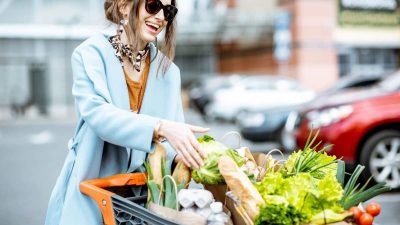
x=188, y=156
x=181, y=136
x=197, y=146
x=196, y=129
x=179, y=157
x=195, y=155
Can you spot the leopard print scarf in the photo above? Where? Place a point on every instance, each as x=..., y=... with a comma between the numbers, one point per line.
x=125, y=50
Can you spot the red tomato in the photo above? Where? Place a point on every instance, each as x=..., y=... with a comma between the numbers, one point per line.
x=366, y=219
x=356, y=212
x=373, y=208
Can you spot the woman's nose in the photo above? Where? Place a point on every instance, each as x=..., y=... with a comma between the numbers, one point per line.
x=160, y=15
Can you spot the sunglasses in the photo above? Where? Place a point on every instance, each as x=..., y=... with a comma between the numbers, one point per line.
x=154, y=6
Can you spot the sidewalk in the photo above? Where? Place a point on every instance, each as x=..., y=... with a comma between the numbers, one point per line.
x=32, y=115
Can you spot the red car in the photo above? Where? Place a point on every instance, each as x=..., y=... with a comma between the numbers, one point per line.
x=363, y=126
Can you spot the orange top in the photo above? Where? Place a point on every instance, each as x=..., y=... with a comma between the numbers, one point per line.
x=136, y=88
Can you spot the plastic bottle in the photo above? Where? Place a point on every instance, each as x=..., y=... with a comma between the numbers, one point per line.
x=203, y=198
x=204, y=212
x=217, y=216
x=186, y=198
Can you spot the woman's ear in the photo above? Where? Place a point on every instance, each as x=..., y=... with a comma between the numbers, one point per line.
x=123, y=8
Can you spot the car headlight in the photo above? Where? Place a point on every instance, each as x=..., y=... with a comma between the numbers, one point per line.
x=252, y=120
x=195, y=93
x=328, y=116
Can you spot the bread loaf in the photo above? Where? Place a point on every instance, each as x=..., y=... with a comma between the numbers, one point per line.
x=241, y=186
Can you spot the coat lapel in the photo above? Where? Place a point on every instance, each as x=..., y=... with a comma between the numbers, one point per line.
x=116, y=78
x=115, y=75
x=119, y=91
x=150, y=92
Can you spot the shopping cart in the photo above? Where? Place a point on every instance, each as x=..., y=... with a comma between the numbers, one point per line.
x=118, y=203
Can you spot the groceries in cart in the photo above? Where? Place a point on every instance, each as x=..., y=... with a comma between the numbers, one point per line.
x=245, y=188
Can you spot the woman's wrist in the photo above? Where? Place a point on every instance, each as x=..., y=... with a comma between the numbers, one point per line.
x=158, y=131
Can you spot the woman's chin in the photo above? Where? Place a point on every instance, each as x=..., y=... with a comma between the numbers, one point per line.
x=148, y=38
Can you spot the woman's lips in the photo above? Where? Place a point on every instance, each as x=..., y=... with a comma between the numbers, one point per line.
x=152, y=29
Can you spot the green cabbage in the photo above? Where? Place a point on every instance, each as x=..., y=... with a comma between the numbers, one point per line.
x=209, y=173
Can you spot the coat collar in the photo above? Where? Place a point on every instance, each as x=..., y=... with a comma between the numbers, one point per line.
x=110, y=30
x=117, y=82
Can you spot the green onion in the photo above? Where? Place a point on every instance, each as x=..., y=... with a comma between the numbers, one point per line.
x=352, y=194
x=340, y=172
x=309, y=160
x=168, y=197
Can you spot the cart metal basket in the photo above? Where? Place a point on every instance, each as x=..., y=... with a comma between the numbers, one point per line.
x=118, y=203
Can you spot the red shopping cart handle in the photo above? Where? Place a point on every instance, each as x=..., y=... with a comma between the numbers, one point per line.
x=96, y=190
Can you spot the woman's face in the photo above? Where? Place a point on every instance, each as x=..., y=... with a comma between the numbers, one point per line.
x=150, y=25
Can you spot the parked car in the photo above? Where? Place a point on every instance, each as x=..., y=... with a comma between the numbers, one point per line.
x=256, y=93
x=267, y=125
x=202, y=90
x=363, y=126
x=353, y=81
x=264, y=126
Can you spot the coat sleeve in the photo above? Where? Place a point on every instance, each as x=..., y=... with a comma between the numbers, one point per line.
x=112, y=124
x=179, y=117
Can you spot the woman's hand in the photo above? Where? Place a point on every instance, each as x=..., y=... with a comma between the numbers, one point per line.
x=182, y=139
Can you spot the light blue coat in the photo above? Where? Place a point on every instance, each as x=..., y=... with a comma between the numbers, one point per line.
x=107, y=132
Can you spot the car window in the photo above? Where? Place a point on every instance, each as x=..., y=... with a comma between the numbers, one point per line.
x=391, y=83
x=365, y=83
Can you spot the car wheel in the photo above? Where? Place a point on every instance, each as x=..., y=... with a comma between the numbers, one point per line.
x=381, y=157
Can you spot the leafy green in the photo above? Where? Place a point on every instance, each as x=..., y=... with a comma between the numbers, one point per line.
x=329, y=189
x=309, y=160
x=303, y=192
x=279, y=214
x=310, y=187
x=209, y=172
x=306, y=186
x=206, y=138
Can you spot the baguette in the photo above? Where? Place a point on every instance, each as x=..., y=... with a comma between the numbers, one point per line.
x=155, y=161
x=241, y=186
x=181, y=173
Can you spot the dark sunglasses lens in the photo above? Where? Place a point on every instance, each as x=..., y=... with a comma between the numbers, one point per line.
x=153, y=6
x=170, y=12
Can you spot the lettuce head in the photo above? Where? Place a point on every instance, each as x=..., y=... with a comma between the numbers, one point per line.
x=209, y=173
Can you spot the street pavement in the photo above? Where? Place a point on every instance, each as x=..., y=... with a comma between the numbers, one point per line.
x=33, y=151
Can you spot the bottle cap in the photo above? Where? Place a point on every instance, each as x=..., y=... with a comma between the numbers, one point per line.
x=216, y=207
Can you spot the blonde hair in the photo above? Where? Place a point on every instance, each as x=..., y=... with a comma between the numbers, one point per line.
x=113, y=14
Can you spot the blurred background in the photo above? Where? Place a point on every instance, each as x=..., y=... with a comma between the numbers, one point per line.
x=269, y=70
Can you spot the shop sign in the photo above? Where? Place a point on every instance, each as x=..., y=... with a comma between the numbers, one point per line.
x=369, y=12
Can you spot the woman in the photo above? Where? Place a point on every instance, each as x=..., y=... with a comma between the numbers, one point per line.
x=127, y=95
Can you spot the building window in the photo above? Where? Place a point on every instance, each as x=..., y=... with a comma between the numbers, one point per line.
x=368, y=61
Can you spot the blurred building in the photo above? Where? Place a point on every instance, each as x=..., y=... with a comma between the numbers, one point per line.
x=36, y=41
x=37, y=38
x=246, y=44
x=334, y=38
x=316, y=41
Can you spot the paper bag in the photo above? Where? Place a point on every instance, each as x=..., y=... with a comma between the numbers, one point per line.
x=186, y=218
